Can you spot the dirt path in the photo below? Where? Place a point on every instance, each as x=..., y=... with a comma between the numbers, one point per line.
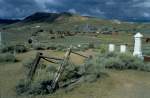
x=130, y=84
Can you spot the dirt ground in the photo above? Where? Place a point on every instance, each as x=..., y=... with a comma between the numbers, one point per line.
x=118, y=84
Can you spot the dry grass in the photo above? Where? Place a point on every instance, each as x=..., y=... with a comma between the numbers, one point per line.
x=119, y=84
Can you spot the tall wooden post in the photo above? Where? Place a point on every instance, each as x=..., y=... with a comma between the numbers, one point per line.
x=61, y=69
x=34, y=66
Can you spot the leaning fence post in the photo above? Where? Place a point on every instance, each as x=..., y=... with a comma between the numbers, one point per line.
x=34, y=66
x=111, y=48
x=138, y=45
x=61, y=69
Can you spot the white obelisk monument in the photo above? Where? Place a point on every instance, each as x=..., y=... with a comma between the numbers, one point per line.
x=138, y=45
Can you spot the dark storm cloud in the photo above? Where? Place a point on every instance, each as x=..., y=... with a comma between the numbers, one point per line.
x=99, y=8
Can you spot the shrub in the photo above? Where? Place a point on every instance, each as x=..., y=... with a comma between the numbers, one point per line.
x=11, y=48
x=42, y=79
x=7, y=57
x=114, y=63
x=39, y=46
x=7, y=49
x=21, y=49
x=52, y=47
x=28, y=63
x=84, y=47
x=60, y=47
x=119, y=61
x=103, y=49
x=91, y=45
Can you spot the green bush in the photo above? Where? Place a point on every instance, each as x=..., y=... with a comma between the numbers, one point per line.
x=91, y=45
x=21, y=49
x=119, y=61
x=7, y=49
x=7, y=57
x=39, y=46
x=103, y=48
x=12, y=48
x=60, y=47
x=52, y=47
x=28, y=63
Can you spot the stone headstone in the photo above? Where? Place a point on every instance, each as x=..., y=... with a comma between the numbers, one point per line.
x=123, y=48
x=79, y=45
x=111, y=47
x=138, y=45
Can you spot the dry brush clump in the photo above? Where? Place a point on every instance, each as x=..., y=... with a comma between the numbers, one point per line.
x=7, y=57
x=12, y=48
x=120, y=61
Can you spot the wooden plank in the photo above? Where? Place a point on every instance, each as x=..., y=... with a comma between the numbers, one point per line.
x=52, y=58
x=79, y=54
x=49, y=60
x=34, y=66
x=61, y=69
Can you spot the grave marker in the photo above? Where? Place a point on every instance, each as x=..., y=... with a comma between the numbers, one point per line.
x=111, y=47
x=138, y=45
x=123, y=48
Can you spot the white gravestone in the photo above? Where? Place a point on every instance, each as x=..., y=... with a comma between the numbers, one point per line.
x=123, y=48
x=138, y=45
x=111, y=47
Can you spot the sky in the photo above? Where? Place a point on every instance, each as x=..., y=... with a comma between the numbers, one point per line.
x=112, y=9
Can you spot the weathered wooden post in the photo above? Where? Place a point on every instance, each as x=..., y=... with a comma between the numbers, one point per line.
x=34, y=65
x=60, y=69
x=123, y=48
x=111, y=47
x=138, y=45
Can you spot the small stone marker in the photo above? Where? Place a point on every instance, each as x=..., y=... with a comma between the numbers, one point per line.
x=123, y=48
x=111, y=47
x=79, y=45
x=138, y=45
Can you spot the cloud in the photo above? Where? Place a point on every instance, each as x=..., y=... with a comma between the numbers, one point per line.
x=110, y=2
x=118, y=9
x=145, y=14
x=145, y=4
x=72, y=11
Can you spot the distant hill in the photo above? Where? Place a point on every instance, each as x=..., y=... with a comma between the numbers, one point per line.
x=139, y=20
x=8, y=21
x=45, y=17
x=66, y=21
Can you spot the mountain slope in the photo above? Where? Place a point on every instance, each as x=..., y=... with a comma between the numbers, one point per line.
x=8, y=21
x=72, y=22
x=45, y=17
